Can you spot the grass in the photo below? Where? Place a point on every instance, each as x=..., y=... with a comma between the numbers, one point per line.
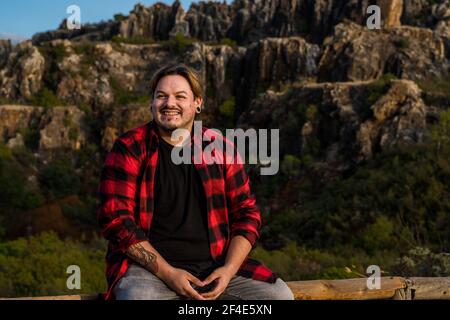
x=402, y=43
x=57, y=52
x=226, y=109
x=123, y=96
x=133, y=40
x=436, y=91
x=178, y=44
x=45, y=98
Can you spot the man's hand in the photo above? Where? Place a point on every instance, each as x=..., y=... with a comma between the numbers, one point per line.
x=178, y=280
x=222, y=276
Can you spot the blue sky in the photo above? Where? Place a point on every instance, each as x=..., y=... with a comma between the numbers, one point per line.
x=26, y=17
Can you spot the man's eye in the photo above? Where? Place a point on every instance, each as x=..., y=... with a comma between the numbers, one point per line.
x=181, y=97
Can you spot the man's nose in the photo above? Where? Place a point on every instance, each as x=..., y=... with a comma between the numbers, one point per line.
x=171, y=101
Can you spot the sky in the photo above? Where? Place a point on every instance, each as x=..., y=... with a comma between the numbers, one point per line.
x=27, y=17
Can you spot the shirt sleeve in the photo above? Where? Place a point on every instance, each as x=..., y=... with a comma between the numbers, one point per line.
x=117, y=194
x=245, y=217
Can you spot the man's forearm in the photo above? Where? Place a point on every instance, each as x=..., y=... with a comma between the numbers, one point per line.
x=147, y=256
x=239, y=249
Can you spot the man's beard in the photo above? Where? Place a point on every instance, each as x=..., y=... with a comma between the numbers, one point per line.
x=170, y=127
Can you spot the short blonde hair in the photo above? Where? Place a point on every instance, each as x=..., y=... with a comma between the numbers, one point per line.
x=178, y=69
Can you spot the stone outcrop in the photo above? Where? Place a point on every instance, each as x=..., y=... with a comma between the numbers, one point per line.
x=121, y=120
x=355, y=53
x=391, y=12
x=15, y=118
x=62, y=128
x=247, y=21
x=55, y=128
x=339, y=118
x=275, y=63
x=22, y=72
x=155, y=21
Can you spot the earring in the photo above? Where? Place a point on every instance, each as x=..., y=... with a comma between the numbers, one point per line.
x=199, y=110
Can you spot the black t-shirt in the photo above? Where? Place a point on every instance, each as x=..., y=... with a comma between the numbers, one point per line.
x=179, y=230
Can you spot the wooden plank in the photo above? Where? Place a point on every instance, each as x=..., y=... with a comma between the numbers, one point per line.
x=430, y=288
x=345, y=289
x=417, y=288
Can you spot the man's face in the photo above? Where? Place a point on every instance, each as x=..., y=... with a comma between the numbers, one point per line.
x=173, y=104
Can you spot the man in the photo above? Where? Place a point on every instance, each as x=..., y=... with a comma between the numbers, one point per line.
x=178, y=230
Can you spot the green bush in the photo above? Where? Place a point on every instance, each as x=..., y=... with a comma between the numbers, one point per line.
x=37, y=266
x=84, y=47
x=402, y=43
x=228, y=42
x=291, y=165
x=399, y=199
x=294, y=263
x=119, y=17
x=123, y=96
x=436, y=91
x=14, y=194
x=226, y=109
x=45, y=98
x=82, y=212
x=376, y=90
x=133, y=40
x=178, y=44
x=59, y=179
x=58, y=52
x=73, y=134
x=421, y=262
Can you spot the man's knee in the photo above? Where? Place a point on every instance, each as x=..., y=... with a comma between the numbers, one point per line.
x=129, y=288
x=244, y=288
x=132, y=290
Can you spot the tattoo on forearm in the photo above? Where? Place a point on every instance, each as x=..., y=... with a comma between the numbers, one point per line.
x=144, y=257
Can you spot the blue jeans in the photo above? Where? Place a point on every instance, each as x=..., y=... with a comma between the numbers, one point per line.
x=140, y=284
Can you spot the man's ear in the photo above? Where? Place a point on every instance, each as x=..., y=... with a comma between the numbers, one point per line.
x=198, y=102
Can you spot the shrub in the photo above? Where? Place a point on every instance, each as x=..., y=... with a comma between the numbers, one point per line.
x=59, y=179
x=226, y=109
x=402, y=43
x=37, y=266
x=291, y=165
x=123, y=96
x=378, y=88
x=45, y=98
x=228, y=42
x=421, y=262
x=133, y=40
x=178, y=44
x=14, y=194
x=119, y=17
x=73, y=134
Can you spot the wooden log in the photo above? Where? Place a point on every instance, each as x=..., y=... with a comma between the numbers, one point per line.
x=346, y=289
x=430, y=288
x=417, y=288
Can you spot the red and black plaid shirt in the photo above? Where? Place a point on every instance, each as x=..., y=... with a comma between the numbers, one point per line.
x=126, y=202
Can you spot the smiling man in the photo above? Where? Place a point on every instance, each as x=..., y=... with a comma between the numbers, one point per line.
x=178, y=230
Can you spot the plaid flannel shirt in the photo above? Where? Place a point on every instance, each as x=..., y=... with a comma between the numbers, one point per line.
x=126, y=203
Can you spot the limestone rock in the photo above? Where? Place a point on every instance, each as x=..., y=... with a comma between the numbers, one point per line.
x=391, y=12
x=21, y=75
x=342, y=121
x=62, y=127
x=123, y=119
x=15, y=118
x=355, y=53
